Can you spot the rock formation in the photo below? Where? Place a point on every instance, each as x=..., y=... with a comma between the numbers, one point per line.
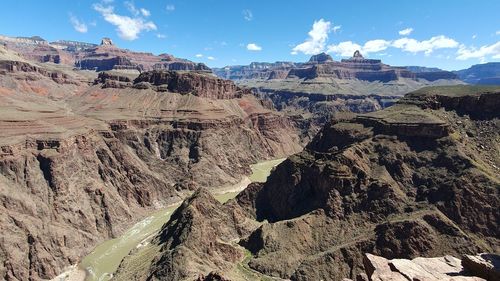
x=314, y=91
x=106, y=42
x=105, y=56
x=323, y=66
x=419, y=179
x=81, y=160
x=321, y=58
x=484, y=265
x=429, y=269
x=198, y=84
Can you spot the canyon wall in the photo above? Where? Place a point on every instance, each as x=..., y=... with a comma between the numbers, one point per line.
x=80, y=161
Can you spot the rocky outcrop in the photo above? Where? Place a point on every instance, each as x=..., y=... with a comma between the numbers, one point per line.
x=197, y=84
x=105, y=63
x=418, y=269
x=484, y=265
x=113, y=80
x=106, y=42
x=18, y=66
x=320, y=58
x=478, y=102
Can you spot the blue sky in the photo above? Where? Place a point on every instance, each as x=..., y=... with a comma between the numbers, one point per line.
x=450, y=34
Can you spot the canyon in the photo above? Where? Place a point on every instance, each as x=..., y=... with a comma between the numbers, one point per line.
x=314, y=91
x=418, y=179
x=385, y=173
x=84, y=156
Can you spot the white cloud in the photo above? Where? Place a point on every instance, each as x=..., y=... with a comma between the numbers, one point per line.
x=254, y=47
x=347, y=48
x=131, y=7
x=210, y=58
x=136, y=12
x=247, y=15
x=406, y=31
x=336, y=28
x=426, y=46
x=78, y=25
x=498, y=32
x=161, y=36
x=465, y=53
x=145, y=12
x=474, y=36
x=317, y=39
x=128, y=28
x=344, y=49
x=411, y=45
x=374, y=46
x=170, y=8
x=198, y=55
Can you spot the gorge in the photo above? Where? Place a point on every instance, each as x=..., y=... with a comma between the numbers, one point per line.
x=125, y=165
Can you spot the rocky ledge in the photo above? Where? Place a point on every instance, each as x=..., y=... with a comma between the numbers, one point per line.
x=25, y=67
x=195, y=83
x=479, y=267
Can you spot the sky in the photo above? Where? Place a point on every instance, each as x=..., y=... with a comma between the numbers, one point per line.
x=449, y=34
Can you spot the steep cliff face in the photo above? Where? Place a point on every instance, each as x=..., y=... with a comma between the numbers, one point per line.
x=198, y=84
x=60, y=197
x=108, y=56
x=407, y=181
x=7, y=66
x=80, y=162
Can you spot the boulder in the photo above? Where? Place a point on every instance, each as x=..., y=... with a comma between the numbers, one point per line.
x=483, y=265
x=419, y=269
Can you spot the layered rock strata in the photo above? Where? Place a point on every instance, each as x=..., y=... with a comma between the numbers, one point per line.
x=81, y=160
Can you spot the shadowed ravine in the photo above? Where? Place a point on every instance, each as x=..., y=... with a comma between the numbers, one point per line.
x=106, y=257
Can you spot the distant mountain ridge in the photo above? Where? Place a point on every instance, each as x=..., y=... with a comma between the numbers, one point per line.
x=483, y=74
x=323, y=65
x=105, y=56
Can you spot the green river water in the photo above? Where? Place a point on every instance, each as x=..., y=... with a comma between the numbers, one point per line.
x=106, y=257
